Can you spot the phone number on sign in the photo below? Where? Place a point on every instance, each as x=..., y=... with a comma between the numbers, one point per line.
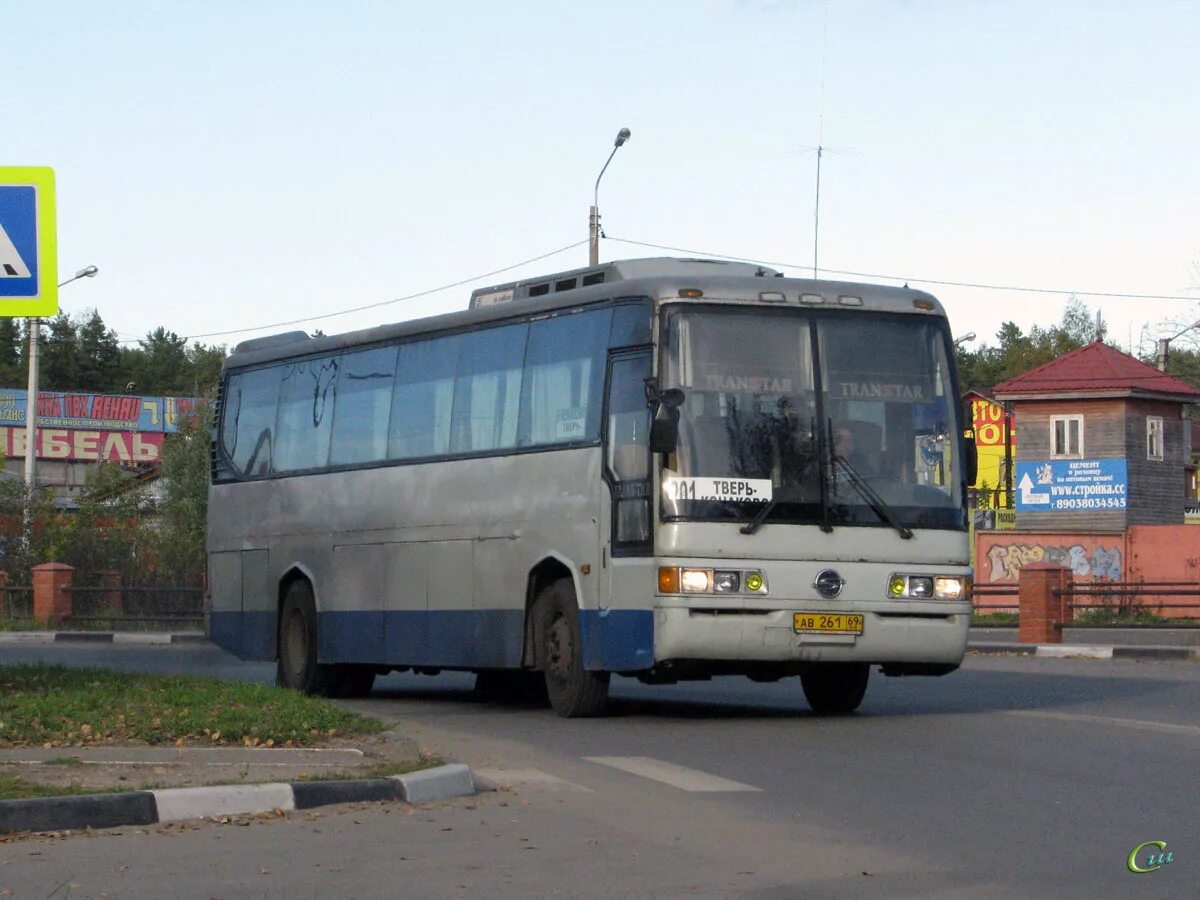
x=1091, y=503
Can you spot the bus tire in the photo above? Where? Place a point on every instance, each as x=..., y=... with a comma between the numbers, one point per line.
x=574, y=691
x=297, y=666
x=835, y=689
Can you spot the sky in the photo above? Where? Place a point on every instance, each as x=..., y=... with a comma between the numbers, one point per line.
x=232, y=167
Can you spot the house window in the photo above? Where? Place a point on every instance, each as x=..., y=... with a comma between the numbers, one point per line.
x=1154, y=438
x=1066, y=437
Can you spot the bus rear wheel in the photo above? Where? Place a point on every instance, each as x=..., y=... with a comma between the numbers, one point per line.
x=297, y=667
x=573, y=690
x=835, y=689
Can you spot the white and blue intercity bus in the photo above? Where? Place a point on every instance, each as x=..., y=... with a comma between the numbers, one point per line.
x=667, y=469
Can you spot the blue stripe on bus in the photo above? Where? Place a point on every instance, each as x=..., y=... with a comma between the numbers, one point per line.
x=616, y=640
x=246, y=635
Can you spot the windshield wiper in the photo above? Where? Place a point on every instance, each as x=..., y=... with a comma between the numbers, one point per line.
x=754, y=524
x=873, y=499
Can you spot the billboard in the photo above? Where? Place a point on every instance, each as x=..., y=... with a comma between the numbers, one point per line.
x=82, y=445
x=101, y=412
x=1084, y=485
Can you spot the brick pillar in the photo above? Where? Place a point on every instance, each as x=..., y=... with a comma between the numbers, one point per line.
x=51, y=601
x=1042, y=612
x=113, y=599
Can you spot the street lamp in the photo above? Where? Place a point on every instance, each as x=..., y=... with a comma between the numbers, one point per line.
x=965, y=339
x=32, y=393
x=594, y=218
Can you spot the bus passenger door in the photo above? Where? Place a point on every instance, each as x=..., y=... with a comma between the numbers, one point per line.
x=627, y=522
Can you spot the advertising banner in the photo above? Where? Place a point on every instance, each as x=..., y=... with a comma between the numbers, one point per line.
x=1084, y=485
x=108, y=412
x=82, y=445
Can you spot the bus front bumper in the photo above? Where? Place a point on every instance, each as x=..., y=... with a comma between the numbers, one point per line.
x=935, y=633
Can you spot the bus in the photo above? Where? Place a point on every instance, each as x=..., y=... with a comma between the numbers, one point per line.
x=666, y=469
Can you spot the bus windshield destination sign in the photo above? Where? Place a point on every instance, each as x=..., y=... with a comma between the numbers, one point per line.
x=752, y=489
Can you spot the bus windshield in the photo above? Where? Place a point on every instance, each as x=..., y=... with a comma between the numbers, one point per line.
x=800, y=410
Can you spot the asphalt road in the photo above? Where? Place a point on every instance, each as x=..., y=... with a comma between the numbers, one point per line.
x=1012, y=777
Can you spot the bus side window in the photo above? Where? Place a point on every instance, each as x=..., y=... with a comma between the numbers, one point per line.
x=487, y=389
x=422, y=398
x=305, y=415
x=564, y=372
x=253, y=431
x=628, y=452
x=364, y=402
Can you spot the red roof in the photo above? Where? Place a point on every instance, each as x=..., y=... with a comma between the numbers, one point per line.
x=1097, y=368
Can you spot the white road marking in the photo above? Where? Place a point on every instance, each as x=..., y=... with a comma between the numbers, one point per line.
x=669, y=773
x=1139, y=724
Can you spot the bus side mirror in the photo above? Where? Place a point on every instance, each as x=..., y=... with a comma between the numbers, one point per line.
x=971, y=458
x=664, y=428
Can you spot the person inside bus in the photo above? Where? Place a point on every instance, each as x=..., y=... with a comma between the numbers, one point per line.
x=862, y=454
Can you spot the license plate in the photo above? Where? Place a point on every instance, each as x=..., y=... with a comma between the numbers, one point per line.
x=827, y=623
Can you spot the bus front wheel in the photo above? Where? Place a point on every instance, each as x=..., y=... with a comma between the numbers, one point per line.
x=835, y=689
x=298, y=668
x=573, y=690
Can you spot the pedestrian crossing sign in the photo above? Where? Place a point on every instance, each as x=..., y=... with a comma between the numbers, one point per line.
x=28, y=242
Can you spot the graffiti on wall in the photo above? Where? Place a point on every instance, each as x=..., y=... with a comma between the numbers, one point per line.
x=1005, y=560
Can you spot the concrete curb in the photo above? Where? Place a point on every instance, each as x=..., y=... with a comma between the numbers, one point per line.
x=1085, y=651
x=101, y=637
x=177, y=804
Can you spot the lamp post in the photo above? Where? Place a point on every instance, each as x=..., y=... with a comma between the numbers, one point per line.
x=594, y=218
x=32, y=393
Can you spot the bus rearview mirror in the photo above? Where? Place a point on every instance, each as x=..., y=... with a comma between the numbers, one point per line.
x=664, y=429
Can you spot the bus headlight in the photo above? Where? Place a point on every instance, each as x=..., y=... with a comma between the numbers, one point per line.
x=725, y=582
x=674, y=580
x=948, y=587
x=929, y=587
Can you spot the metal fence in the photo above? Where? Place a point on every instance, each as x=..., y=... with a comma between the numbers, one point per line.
x=136, y=607
x=112, y=607
x=16, y=601
x=1123, y=599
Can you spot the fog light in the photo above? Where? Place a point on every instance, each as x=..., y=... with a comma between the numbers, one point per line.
x=920, y=586
x=727, y=582
x=897, y=585
x=754, y=582
x=696, y=581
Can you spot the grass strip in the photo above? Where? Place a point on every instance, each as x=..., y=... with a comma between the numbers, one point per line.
x=18, y=789
x=54, y=706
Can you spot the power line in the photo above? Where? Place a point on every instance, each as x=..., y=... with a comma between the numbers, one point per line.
x=344, y=312
x=908, y=278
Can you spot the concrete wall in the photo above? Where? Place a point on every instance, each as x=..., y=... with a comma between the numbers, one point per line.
x=1142, y=553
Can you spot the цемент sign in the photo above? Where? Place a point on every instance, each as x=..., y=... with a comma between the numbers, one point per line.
x=1060, y=485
